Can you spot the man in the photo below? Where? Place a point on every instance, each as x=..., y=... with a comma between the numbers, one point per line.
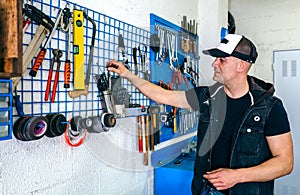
x=244, y=140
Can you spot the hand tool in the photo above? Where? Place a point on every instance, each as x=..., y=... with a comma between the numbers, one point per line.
x=155, y=111
x=146, y=152
x=78, y=49
x=66, y=19
x=174, y=119
x=85, y=91
x=18, y=104
x=26, y=23
x=144, y=61
x=162, y=53
x=65, y=23
x=56, y=59
x=67, y=71
x=108, y=115
x=40, y=58
x=121, y=47
x=31, y=13
x=32, y=49
x=172, y=48
x=140, y=134
x=34, y=14
x=134, y=55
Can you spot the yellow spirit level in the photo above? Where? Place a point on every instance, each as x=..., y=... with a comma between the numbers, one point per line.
x=78, y=50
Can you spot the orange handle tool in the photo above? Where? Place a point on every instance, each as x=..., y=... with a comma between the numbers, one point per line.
x=48, y=83
x=38, y=62
x=67, y=74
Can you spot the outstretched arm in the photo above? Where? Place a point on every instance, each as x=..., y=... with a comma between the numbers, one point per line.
x=152, y=91
x=279, y=165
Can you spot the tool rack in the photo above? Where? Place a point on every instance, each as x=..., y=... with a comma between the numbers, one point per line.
x=32, y=89
x=173, y=140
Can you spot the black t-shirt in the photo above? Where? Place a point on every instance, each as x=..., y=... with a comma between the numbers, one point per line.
x=277, y=123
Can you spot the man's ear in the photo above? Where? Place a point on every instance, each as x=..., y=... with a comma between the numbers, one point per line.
x=242, y=66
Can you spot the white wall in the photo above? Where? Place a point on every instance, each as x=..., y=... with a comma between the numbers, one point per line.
x=271, y=25
x=212, y=17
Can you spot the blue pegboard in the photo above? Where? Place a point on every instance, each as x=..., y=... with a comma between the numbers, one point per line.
x=161, y=71
x=32, y=89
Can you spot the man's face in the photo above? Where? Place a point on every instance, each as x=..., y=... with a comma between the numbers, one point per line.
x=225, y=69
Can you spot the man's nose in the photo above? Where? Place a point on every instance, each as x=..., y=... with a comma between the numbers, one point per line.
x=215, y=62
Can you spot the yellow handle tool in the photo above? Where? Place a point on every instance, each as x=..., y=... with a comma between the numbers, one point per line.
x=78, y=49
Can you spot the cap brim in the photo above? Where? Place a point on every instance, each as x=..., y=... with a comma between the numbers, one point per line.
x=215, y=53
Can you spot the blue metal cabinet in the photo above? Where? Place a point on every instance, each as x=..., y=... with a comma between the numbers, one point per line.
x=175, y=177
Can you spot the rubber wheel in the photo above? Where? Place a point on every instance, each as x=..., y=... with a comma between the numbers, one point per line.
x=49, y=132
x=18, y=127
x=35, y=128
x=109, y=120
x=57, y=125
x=60, y=123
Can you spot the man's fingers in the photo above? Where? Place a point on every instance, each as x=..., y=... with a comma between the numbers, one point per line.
x=112, y=64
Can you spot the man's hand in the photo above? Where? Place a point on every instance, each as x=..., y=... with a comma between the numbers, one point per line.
x=116, y=67
x=222, y=178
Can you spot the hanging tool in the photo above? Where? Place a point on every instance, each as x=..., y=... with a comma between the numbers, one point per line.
x=172, y=48
x=78, y=49
x=65, y=23
x=140, y=133
x=56, y=59
x=31, y=50
x=18, y=104
x=34, y=14
x=40, y=58
x=26, y=23
x=162, y=52
x=107, y=117
x=144, y=61
x=146, y=139
x=67, y=71
x=121, y=48
x=31, y=13
x=134, y=55
x=85, y=91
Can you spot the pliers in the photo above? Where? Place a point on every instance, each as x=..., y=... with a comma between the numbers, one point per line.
x=56, y=58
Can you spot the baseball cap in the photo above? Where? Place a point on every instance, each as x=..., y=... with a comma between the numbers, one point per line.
x=234, y=45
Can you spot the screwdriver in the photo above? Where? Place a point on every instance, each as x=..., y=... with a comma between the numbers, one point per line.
x=40, y=58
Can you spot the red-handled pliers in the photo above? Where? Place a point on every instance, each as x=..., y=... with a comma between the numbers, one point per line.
x=56, y=58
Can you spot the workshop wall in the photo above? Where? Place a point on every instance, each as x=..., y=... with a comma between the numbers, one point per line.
x=272, y=25
x=107, y=163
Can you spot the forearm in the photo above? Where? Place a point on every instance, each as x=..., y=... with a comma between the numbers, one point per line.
x=269, y=170
x=157, y=93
